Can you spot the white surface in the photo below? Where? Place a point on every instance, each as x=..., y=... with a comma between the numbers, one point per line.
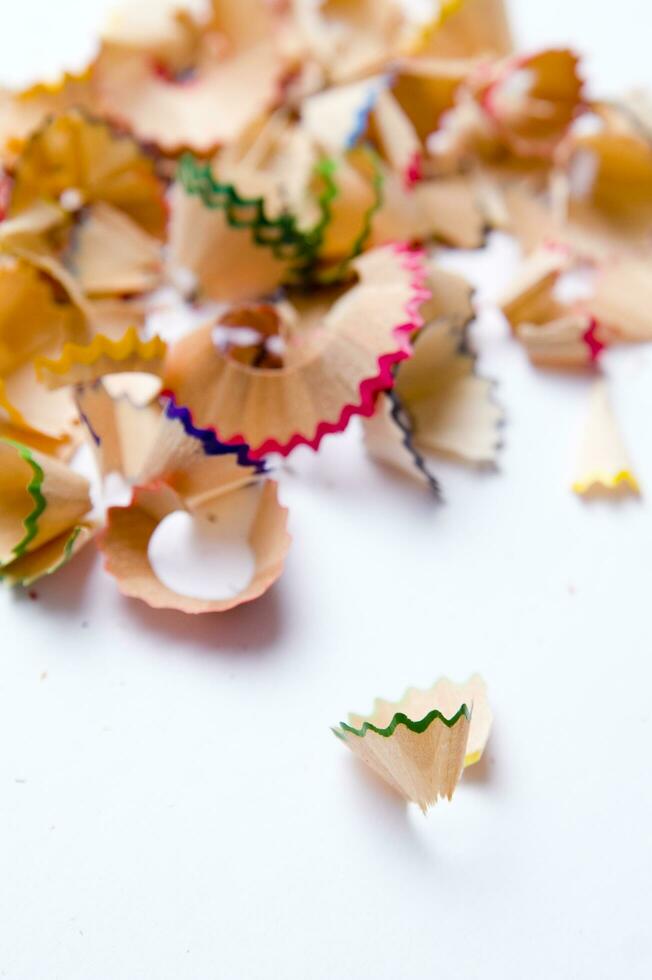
x=173, y=805
x=198, y=558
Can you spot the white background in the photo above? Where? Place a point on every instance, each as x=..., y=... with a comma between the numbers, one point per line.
x=173, y=805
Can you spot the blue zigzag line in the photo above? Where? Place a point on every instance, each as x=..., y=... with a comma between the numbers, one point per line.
x=211, y=445
x=361, y=116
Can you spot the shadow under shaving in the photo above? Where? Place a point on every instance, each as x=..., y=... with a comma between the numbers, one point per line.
x=385, y=815
x=252, y=628
x=488, y=774
x=64, y=591
x=366, y=791
x=482, y=773
x=615, y=498
x=371, y=789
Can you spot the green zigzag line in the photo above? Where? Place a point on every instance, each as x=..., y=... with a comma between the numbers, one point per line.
x=341, y=268
x=282, y=234
x=30, y=523
x=325, y=169
x=400, y=719
x=65, y=558
x=376, y=204
x=67, y=551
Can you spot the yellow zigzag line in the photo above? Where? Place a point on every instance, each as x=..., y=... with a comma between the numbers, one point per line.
x=611, y=481
x=56, y=86
x=81, y=363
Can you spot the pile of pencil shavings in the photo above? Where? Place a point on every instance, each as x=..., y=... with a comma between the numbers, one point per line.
x=278, y=178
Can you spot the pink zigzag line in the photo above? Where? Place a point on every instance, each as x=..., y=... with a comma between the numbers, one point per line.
x=413, y=262
x=414, y=171
x=592, y=341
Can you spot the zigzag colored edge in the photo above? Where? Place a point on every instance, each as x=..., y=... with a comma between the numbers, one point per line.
x=30, y=523
x=101, y=346
x=197, y=180
x=396, y=412
x=64, y=559
x=362, y=113
x=413, y=262
x=341, y=268
x=401, y=719
x=211, y=443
